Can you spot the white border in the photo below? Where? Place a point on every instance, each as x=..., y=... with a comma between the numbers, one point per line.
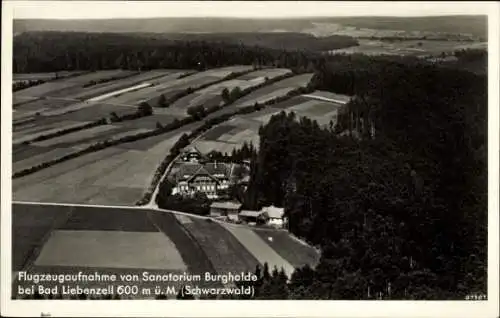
x=175, y=308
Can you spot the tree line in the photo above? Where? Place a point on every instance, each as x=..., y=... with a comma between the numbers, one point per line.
x=54, y=51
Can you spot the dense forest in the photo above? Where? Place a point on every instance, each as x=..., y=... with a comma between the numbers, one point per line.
x=55, y=51
x=395, y=195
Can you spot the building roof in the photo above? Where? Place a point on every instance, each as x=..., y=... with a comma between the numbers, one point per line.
x=274, y=212
x=187, y=170
x=191, y=149
x=250, y=213
x=217, y=170
x=226, y=205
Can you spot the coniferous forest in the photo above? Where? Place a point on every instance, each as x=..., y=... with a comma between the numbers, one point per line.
x=395, y=195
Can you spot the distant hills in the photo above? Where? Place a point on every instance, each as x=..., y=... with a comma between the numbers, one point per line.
x=475, y=25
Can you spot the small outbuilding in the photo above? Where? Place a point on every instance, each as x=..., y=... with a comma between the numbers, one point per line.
x=276, y=215
x=226, y=208
x=250, y=216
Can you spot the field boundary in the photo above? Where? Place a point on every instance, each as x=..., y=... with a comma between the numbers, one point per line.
x=37, y=249
x=164, y=165
x=157, y=209
x=59, y=133
x=189, y=90
x=39, y=82
x=112, y=142
x=109, y=79
x=209, y=124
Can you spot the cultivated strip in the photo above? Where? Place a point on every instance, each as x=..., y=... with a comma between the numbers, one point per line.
x=260, y=249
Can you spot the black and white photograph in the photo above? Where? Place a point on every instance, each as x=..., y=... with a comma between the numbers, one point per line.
x=286, y=151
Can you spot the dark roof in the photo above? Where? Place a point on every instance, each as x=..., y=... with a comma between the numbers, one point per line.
x=226, y=205
x=202, y=171
x=215, y=170
x=187, y=169
x=218, y=168
x=191, y=149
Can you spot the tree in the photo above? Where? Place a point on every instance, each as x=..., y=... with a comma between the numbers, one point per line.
x=114, y=117
x=235, y=93
x=225, y=95
x=197, y=112
x=164, y=191
x=368, y=249
x=162, y=102
x=144, y=109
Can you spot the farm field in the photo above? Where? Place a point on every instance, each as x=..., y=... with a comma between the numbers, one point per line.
x=190, y=249
x=175, y=85
x=244, y=128
x=116, y=175
x=42, y=76
x=56, y=147
x=119, y=92
x=296, y=253
x=152, y=77
x=60, y=239
x=65, y=83
x=31, y=225
x=65, y=100
x=225, y=252
x=107, y=240
x=274, y=90
x=329, y=96
x=32, y=127
x=211, y=96
x=259, y=248
x=410, y=47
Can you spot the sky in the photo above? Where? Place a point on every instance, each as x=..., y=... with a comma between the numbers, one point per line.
x=239, y=9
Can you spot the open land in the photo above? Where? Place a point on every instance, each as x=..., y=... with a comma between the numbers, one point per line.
x=410, y=47
x=212, y=95
x=63, y=239
x=173, y=86
x=53, y=86
x=319, y=106
x=274, y=90
x=109, y=240
x=21, y=77
x=116, y=175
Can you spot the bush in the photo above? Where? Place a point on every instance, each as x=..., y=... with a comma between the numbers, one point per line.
x=162, y=102
x=145, y=109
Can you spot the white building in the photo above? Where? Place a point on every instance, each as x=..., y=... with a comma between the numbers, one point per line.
x=275, y=215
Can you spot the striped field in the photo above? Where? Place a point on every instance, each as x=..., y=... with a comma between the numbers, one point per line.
x=67, y=239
